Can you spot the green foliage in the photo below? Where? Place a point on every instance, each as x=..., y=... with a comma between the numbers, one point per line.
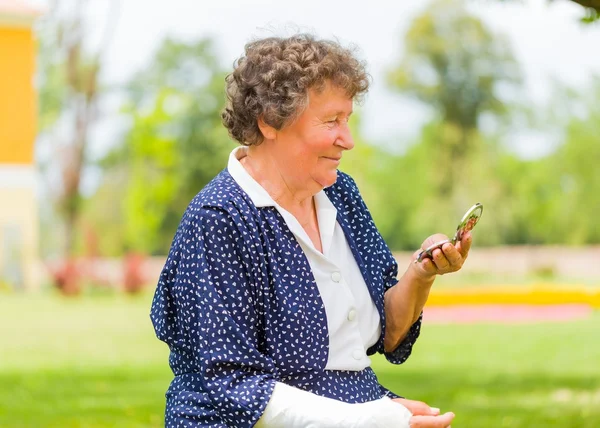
x=409, y=209
x=52, y=90
x=453, y=63
x=176, y=143
x=70, y=89
x=550, y=200
x=574, y=169
x=591, y=15
x=555, y=199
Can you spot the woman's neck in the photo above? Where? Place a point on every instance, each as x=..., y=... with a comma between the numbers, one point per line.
x=264, y=169
x=298, y=202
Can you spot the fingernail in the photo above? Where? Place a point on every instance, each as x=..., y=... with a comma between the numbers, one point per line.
x=435, y=411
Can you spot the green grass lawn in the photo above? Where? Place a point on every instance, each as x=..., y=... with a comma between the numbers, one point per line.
x=94, y=362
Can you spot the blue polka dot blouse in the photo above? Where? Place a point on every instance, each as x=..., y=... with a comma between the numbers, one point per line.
x=240, y=310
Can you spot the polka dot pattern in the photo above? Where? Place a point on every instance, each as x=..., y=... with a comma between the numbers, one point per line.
x=240, y=310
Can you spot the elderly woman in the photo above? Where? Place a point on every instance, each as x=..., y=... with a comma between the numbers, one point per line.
x=278, y=285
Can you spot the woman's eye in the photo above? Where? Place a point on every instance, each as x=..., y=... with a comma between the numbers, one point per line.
x=337, y=121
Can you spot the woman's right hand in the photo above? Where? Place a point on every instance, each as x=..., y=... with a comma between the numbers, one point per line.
x=440, y=421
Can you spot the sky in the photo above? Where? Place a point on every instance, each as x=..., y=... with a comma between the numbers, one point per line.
x=546, y=37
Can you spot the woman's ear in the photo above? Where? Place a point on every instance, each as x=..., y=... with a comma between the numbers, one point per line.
x=269, y=132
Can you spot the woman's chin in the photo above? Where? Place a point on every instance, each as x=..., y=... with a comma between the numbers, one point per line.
x=329, y=179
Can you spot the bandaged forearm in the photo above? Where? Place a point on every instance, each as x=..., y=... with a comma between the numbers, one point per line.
x=291, y=407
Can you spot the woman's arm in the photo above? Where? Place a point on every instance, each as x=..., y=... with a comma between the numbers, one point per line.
x=403, y=304
x=404, y=301
x=205, y=308
x=291, y=407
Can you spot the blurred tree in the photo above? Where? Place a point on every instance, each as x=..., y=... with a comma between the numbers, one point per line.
x=556, y=198
x=592, y=14
x=465, y=73
x=591, y=4
x=591, y=8
x=69, y=72
x=574, y=168
x=525, y=216
x=176, y=143
x=454, y=64
x=374, y=169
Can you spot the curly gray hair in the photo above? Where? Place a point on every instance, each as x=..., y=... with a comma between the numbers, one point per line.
x=271, y=81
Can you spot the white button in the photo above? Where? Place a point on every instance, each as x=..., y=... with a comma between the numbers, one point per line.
x=336, y=276
x=357, y=354
x=352, y=314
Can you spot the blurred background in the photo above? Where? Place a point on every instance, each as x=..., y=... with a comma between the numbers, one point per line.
x=110, y=124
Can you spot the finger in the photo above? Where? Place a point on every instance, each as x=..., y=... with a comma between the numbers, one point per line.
x=442, y=421
x=446, y=419
x=465, y=244
x=418, y=407
x=440, y=260
x=428, y=266
x=453, y=255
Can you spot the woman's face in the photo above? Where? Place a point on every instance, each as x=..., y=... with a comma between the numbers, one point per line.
x=309, y=150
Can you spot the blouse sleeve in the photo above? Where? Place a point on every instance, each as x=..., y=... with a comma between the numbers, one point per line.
x=206, y=309
x=389, y=276
x=404, y=349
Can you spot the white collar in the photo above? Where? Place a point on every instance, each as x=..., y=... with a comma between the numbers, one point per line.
x=326, y=212
x=260, y=197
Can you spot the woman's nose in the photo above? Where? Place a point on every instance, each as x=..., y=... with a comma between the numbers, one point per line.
x=345, y=139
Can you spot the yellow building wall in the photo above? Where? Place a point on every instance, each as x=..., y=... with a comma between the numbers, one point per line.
x=17, y=95
x=19, y=222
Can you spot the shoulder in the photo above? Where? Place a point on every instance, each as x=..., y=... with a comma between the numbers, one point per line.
x=344, y=192
x=220, y=193
x=221, y=204
x=344, y=183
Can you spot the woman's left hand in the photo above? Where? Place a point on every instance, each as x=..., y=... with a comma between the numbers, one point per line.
x=425, y=416
x=418, y=408
x=450, y=258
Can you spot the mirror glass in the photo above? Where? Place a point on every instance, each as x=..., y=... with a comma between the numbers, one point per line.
x=467, y=223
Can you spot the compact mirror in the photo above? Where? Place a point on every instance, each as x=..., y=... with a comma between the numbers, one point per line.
x=467, y=223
